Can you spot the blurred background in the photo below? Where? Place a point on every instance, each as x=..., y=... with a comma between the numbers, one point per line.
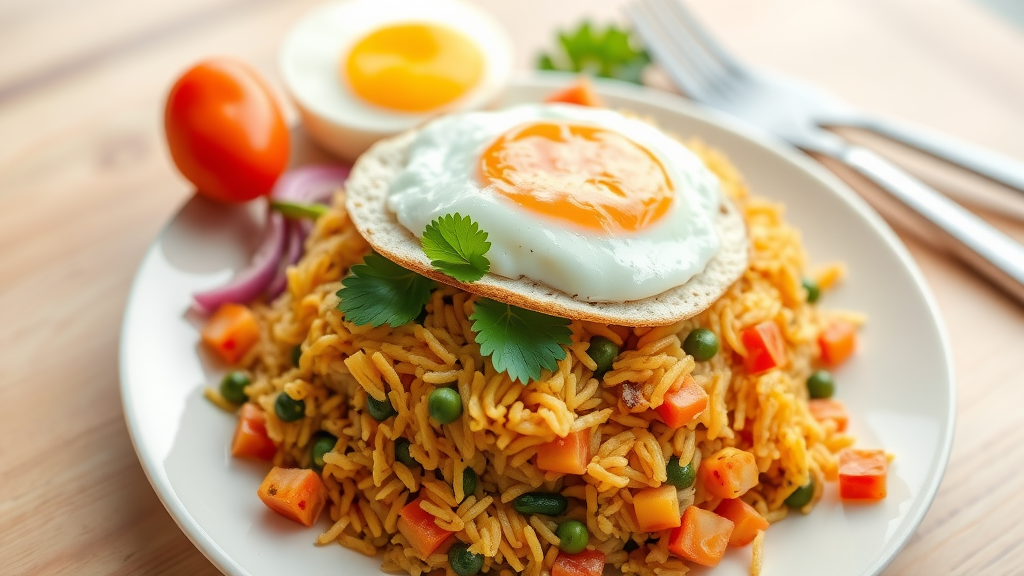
x=86, y=183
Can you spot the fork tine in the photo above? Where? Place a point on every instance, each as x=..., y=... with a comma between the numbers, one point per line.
x=700, y=32
x=657, y=41
x=697, y=56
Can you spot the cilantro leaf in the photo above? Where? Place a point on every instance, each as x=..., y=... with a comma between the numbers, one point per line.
x=456, y=246
x=379, y=291
x=520, y=342
x=609, y=53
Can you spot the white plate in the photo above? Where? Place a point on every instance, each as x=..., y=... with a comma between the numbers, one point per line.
x=899, y=387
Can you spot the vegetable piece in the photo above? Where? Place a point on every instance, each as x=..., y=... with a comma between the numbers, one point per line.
x=569, y=455
x=681, y=406
x=298, y=494
x=320, y=446
x=310, y=183
x=295, y=238
x=837, y=342
x=657, y=508
x=581, y=92
x=801, y=496
x=813, y=290
x=403, y=455
x=746, y=521
x=823, y=410
x=231, y=331
x=293, y=209
x=546, y=503
x=680, y=476
x=232, y=387
x=288, y=409
x=378, y=291
x=729, y=473
x=419, y=528
x=820, y=384
x=225, y=131
x=603, y=352
x=702, y=344
x=456, y=246
x=609, y=53
x=464, y=562
x=573, y=536
x=520, y=342
x=254, y=278
x=468, y=481
x=444, y=405
x=585, y=563
x=251, y=440
x=862, y=474
x=380, y=410
x=296, y=355
x=765, y=347
x=702, y=537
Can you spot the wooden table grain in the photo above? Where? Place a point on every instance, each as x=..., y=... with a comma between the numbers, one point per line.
x=86, y=183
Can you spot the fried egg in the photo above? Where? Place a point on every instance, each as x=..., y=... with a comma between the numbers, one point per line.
x=364, y=69
x=600, y=206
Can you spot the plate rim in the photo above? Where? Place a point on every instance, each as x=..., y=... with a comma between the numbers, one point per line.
x=679, y=105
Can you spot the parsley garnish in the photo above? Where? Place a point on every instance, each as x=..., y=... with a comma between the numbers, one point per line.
x=456, y=246
x=520, y=342
x=379, y=291
x=610, y=53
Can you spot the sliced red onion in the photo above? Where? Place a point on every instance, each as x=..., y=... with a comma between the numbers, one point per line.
x=292, y=253
x=314, y=183
x=253, y=279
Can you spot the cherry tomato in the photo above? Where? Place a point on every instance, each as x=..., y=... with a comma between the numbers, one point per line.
x=225, y=131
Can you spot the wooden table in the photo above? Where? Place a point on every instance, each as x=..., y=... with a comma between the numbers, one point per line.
x=86, y=184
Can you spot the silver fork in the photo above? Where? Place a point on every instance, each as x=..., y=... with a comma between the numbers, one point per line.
x=796, y=112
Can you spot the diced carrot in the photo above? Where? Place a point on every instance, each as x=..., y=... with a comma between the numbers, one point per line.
x=231, y=331
x=837, y=342
x=862, y=474
x=296, y=493
x=657, y=508
x=702, y=537
x=586, y=563
x=747, y=520
x=683, y=405
x=569, y=455
x=765, y=347
x=729, y=473
x=823, y=409
x=580, y=92
x=419, y=528
x=251, y=438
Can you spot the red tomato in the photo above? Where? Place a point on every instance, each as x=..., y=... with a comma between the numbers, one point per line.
x=225, y=131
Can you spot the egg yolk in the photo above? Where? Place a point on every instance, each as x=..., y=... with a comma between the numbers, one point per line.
x=587, y=175
x=413, y=67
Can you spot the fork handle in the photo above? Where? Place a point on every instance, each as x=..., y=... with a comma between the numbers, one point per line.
x=983, y=161
x=980, y=245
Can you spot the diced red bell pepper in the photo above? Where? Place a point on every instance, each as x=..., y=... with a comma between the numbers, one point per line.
x=729, y=473
x=231, y=331
x=586, y=563
x=569, y=455
x=746, y=519
x=702, y=537
x=683, y=405
x=251, y=438
x=823, y=409
x=837, y=342
x=863, y=474
x=298, y=494
x=766, y=348
x=580, y=92
x=419, y=528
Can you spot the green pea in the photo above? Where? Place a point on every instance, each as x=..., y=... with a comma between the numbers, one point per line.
x=296, y=355
x=468, y=481
x=464, y=562
x=702, y=344
x=402, y=453
x=545, y=503
x=813, y=291
x=603, y=352
x=680, y=476
x=323, y=444
x=821, y=384
x=232, y=387
x=380, y=410
x=444, y=405
x=801, y=496
x=287, y=409
x=573, y=536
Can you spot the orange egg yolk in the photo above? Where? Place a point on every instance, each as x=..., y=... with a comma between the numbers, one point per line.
x=413, y=67
x=590, y=176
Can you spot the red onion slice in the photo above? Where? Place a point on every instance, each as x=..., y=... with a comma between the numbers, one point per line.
x=292, y=253
x=314, y=183
x=253, y=279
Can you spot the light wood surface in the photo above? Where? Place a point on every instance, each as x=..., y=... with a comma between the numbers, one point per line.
x=86, y=184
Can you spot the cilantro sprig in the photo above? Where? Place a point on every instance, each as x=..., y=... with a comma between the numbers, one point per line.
x=379, y=291
x=609, y=53
x=456, y=246
x=520, y=342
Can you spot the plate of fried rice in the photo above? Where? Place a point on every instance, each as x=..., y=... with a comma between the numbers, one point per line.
x=483, y=479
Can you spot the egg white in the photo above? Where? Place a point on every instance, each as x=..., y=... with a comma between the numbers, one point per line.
x=332, y=114
x=441, y=178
